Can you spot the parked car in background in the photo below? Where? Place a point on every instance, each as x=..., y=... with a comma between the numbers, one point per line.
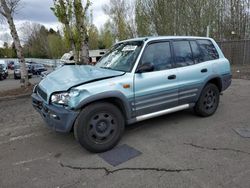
x=37, y=69
x=5, y=68
x=67, y=58
x=11, y=65
x=17, y=71
x=2, y=72
x=29, y=66
x=137, y=79
x=45, y=73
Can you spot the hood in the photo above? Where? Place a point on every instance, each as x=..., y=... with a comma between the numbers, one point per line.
x=69, y=76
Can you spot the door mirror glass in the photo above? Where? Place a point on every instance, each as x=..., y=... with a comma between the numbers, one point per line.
x=146, y=67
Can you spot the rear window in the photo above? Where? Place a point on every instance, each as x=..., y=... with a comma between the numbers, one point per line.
x=208, y=50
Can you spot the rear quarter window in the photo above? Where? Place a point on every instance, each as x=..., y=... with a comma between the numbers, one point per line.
x=208, y=50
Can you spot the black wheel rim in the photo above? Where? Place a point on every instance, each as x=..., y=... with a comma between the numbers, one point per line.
x=210, y=100
x=102, y=128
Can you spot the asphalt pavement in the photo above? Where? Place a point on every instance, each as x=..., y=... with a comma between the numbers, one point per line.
x=178, y=150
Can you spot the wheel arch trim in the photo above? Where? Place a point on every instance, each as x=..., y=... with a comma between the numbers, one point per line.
x=107, y=96
x=208, y=80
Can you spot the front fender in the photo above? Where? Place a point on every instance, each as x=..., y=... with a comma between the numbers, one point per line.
x=107, y=95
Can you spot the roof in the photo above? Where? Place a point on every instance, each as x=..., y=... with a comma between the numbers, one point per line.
x=150, y=38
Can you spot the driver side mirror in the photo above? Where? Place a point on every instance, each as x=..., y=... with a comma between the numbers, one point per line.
x=145, y=67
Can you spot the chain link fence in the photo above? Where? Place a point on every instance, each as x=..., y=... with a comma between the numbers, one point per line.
x=237, y=51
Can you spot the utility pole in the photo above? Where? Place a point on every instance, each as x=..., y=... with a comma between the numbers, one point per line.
x=208, y=30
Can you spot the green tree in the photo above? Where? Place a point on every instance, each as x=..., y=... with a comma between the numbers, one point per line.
x=93, y=37
x=121, y=14
x=73, y=16
x=63, y=10
x=142, y=19
x=56, y=46
x=80, y=14
x=107, y=37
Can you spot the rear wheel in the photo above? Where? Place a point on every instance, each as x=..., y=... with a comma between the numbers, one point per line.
x=208, y=101
x=99, y=127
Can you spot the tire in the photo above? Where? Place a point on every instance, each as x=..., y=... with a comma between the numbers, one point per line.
x=15, y=77
x=99, y=127
x=208, y=101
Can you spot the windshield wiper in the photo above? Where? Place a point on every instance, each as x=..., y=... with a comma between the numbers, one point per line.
x=107, y=68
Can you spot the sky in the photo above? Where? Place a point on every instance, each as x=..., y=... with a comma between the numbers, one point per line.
x=38, y=11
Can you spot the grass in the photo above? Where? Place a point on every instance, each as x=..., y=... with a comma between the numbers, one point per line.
x=17, y=91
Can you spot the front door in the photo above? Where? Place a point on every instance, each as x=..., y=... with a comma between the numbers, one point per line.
x=158, y=89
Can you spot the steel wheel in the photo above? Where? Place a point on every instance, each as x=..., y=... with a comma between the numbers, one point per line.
x=208, y=101
x=102, y=127
x=99, y=126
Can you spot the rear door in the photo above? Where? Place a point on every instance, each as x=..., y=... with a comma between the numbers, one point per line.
x=156, y=90
x=193, y=68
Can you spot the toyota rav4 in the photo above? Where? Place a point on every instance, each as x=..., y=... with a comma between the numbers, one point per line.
x=136, y=80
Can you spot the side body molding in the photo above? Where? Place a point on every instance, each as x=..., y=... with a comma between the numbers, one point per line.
x=107, y=95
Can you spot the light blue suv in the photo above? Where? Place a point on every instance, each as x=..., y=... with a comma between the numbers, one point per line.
x=136, y=80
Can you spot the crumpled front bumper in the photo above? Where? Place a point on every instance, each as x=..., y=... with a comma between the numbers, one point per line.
x=57, y=118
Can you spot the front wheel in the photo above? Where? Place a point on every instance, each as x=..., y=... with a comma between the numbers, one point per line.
x=99, y=127
x=208, y=101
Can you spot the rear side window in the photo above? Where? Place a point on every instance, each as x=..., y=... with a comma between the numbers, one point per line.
x=197, y=55
x=183, y=53
x=208, y=50
x=159, y=55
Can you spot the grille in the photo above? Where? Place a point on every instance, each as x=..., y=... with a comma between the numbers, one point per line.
x=42, y=93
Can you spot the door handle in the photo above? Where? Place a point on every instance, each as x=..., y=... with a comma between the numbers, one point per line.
x=203, y=70
x=172, y=77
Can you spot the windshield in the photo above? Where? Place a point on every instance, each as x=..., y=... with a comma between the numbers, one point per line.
x=121, y=57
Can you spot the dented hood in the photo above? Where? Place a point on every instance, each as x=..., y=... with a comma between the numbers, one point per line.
x=69, y=76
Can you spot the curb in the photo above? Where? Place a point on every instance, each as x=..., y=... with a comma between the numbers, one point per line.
x=15, y=97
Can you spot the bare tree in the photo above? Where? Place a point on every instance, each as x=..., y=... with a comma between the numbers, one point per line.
x=122, y=16
x=7, y=10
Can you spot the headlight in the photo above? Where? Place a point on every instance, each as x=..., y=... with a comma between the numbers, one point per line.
x=64, y=97
x=60, y=98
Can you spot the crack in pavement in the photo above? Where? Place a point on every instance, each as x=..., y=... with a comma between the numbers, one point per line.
x=217, y=149
x=108, y=171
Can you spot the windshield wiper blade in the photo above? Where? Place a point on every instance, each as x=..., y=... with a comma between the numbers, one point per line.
x=109, y=68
